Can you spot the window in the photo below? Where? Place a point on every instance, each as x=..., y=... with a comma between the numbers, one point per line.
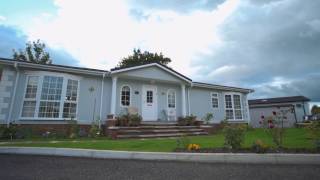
x=50, y=97
x=29, y=104
x=214, y=100
x=237, y=107
x=233, y=107
x=70, y=102
x=149, y=96
x=229, y=109
x=125, y=96
x=171, y=99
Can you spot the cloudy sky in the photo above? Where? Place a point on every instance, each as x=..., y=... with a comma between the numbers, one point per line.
x=272, y=46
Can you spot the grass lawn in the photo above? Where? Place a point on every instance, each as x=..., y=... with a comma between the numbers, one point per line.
x=294, y=138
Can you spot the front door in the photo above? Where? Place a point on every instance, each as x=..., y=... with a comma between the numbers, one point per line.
x=149, y=103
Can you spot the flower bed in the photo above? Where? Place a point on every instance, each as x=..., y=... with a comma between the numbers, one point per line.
x=250, y=150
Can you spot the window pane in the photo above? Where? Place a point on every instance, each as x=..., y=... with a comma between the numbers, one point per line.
x=49, y=109
x=72, y=90
x=32, y=85
x=229, y=114
x=237, y=103
x=149, y=96
x=238, y=114
x=214, y=100
x=52, y=88
x=125, y=96
x=69, y=110
x=228, y=101
x=28, y=108
x=171, y=99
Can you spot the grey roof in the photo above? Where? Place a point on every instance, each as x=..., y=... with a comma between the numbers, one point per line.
x=278, y=100
x=54, y=67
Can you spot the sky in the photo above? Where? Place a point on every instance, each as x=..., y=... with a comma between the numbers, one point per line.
x=271, y=46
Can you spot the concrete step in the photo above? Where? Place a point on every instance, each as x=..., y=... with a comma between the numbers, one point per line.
x=160, y=135
x=158, y=127
x=157, y=131
x=158, y=123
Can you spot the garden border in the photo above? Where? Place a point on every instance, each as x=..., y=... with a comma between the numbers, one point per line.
x=249, y=158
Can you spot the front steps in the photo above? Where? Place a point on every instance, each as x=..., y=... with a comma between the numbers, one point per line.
x=156, y=130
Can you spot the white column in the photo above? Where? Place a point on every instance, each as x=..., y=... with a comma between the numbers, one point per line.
x=113, y=95
x=183, y=99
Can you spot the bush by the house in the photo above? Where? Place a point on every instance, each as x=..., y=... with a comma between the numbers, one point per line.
x=208, y=117
x=74, y=129
x=274, y=126
x=187, y=121
x=183, y=142
x=314, y=132
x=234, y=135
x=129, y=120
x=259, y=146
x=94, y=130
x=8, y=132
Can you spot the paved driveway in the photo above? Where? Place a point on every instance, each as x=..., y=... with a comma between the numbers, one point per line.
x=45, y=167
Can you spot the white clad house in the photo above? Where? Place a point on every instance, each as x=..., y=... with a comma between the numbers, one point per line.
x=53, y=94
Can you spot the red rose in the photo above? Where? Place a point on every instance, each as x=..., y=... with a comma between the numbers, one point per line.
x=269, y=121
x=271, y=126
x=274, y=113
x=262, y=117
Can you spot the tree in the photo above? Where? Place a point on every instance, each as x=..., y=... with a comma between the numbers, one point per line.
x=34, y=52
x=315, y=109
x=139, y=58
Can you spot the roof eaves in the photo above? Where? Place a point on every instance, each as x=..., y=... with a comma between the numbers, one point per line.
x=55, y=67
x=220, y=87
x=181, y=76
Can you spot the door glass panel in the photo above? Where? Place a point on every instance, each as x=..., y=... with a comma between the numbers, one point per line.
x=149, y=96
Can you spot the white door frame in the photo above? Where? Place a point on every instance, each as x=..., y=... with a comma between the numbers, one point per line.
x=155, y=103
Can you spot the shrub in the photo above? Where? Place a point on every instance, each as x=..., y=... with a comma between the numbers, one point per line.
x=314, y=132
x=208, y=117
x=94, y=130
x=183, y=142
x=234, y=135
x=129, y=120
x=187, y=121
x=273, y=125
x=259, y=146
x=74, y=129
x=9, y=132
x=135, y=120
x=193, y=147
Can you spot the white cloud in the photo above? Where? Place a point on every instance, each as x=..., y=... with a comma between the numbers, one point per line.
x=99, y=33
x=2, y=18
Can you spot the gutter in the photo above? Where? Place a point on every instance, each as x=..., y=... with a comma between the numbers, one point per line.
x=13, y=97
x=101, y=98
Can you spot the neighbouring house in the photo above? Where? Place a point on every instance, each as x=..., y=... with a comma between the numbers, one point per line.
x=297, y=107
x=48, y=95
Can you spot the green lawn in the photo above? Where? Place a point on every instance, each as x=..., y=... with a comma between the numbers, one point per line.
x=294, y=138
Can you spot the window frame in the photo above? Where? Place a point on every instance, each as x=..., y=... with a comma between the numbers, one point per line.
x=41, y=75
x=130, y=95
x=217, y=97
x=175, y=98
x=233, y=107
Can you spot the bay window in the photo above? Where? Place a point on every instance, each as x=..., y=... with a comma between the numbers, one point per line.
x=50, y=97
x=233, y=107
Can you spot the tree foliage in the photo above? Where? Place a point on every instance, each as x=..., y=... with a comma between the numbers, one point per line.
x=140, y=58
x=315, y=109
x=34, y=52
